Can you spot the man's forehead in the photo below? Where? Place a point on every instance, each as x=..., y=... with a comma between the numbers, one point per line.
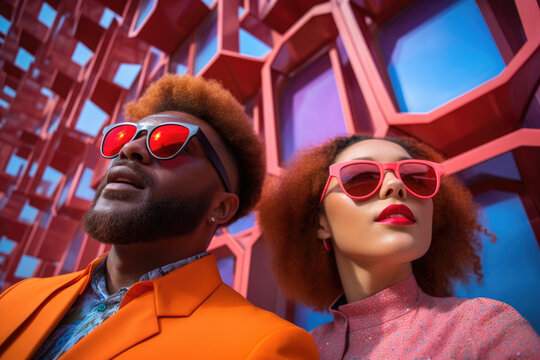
x=172, y=116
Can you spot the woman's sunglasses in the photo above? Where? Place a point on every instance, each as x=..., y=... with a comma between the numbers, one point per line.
x=360, y=179
x=163, y=141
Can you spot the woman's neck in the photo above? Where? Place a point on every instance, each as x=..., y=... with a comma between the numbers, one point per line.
x=360, y=281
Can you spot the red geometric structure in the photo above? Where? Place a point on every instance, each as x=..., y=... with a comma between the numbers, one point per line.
x=48, y=158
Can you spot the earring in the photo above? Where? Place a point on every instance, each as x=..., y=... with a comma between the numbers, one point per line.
x=212, y=219
x=327, y=245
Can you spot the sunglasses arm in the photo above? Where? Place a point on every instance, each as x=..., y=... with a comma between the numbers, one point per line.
x=215, y=160
x=325, y=188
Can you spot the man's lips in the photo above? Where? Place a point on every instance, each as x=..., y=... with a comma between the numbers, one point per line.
x=120, y=176
x=396, y=214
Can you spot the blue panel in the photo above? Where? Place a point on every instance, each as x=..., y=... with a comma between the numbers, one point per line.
x=84, y=191
x=81, y=55
x=126, y=74
x=47, y=15
x=437, y=51
x=503, y=166
x=511, y=266
x=226, y=269
x=9, y=91
x=49, y=181
x=310, y=108
x=144, y=12
x=73, y=252
x=65, y=192
x=46, y=92
x=107, y=18
x=308, y=319
x=91, y=119
x=250, y=45
x=54, y=124
x=245, y=223
x=181, y=69
x=24, y=59
x=6, y=245
x=179, y=60
x=206, y=43
x=27, y=266
x=33, y=169
x=28, y=214
x=15, y=165
x=4, y=103
x=4, y=25
x=45, y=220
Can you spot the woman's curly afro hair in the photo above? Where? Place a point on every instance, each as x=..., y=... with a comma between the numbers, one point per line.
x=210, y=102
x=289, y=212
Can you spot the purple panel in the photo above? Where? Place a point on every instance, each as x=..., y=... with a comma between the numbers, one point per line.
x=310, y=109
x=361, y=116
x=226, y=269
x=532, y=116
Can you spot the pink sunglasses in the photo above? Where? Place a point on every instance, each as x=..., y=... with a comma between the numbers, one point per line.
x=360, y=179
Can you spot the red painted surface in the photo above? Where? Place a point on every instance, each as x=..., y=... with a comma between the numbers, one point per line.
x=297, y=32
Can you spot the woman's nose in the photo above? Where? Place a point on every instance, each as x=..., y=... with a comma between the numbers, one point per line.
x=392, y=186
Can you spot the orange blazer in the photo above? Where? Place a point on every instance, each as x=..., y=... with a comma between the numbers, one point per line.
x=187, y=314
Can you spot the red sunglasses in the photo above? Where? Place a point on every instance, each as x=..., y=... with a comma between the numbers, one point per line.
x=163, y=141
x=360, y=179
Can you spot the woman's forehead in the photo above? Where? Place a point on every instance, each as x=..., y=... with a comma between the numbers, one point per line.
x=373, y=149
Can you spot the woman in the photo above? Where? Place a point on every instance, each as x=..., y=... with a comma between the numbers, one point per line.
x=383, y=228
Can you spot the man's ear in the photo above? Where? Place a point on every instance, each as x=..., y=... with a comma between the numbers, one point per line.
x=324, y=232
x=224, y=207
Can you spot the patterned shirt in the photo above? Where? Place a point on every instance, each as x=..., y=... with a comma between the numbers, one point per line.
x=93, y=307
x=403, y=322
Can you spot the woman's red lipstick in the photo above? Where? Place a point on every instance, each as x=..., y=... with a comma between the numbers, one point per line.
x=396, y=214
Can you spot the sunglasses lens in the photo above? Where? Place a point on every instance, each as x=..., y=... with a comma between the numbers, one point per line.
x=116, y=138
x=166, y=140
x=420, y=179
x=360, y=179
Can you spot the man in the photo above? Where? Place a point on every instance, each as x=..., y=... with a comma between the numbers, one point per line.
x=191, y=164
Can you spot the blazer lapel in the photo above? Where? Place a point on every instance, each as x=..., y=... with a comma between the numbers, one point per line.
x=182, y=291
x=35, y=314
x=176, y=294
x=132, y=324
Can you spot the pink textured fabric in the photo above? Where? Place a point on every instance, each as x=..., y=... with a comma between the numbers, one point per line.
x=402, y=322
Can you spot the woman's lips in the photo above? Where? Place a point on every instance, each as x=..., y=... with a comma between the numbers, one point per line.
x=396, y=214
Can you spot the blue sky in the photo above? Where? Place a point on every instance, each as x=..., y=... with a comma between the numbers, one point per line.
x=47, y=15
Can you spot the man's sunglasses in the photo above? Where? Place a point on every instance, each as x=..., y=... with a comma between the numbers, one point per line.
x=163, y=141
x=360, y=179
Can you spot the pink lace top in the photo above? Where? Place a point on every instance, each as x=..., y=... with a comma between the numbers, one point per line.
x=402, y=322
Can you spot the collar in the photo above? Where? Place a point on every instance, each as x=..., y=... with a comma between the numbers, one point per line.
x=99, y=284
x=381, y=307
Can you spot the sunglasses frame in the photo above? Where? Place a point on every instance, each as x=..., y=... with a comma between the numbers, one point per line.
x=194, y=130
x=335, y=171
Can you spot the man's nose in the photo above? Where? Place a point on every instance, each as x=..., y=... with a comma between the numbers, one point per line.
x=136, y=150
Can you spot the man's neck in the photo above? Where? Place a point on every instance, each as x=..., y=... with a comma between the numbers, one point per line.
x=127, y=263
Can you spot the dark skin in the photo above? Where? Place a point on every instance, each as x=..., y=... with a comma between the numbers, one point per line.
x=190, y=172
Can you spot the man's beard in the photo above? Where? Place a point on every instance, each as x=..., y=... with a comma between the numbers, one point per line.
x=153, y=219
